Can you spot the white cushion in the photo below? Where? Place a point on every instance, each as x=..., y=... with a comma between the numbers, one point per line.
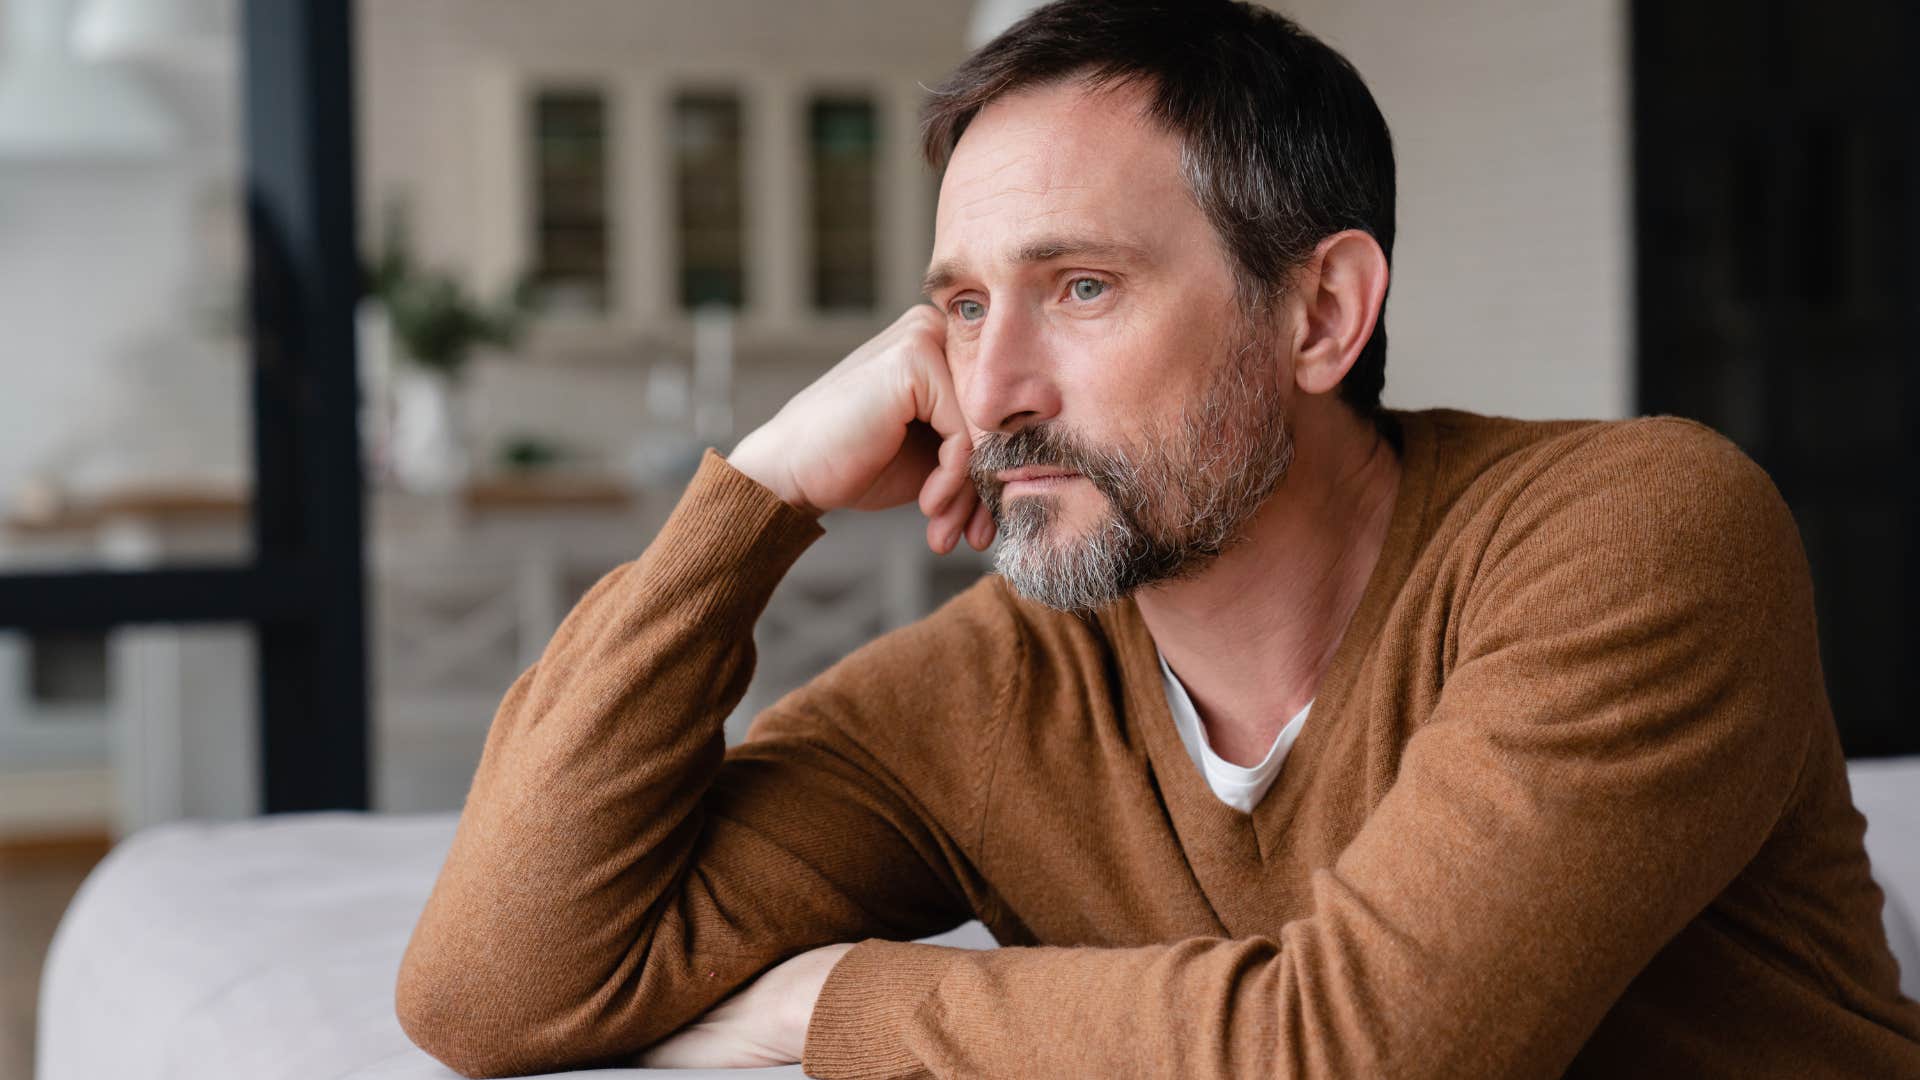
x=1887, y=791
x=258, y=949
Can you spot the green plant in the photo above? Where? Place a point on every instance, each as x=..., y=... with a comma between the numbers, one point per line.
x=436, y=322
x=526, y=452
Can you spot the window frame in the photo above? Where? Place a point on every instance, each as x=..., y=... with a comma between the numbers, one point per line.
x=303, y=589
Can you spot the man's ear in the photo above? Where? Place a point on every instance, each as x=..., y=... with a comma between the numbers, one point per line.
x=1337, y=294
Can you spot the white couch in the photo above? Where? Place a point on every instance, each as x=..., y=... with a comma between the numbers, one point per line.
x=1887, y=791
x=268, y=948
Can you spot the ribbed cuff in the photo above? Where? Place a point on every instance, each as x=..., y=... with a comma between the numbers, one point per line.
x=729, y=539
x=860, y=1020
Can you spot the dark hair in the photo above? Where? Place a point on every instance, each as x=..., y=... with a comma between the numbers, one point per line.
x=1282, y=144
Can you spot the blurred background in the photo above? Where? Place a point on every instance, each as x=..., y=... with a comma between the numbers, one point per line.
x=269, y=543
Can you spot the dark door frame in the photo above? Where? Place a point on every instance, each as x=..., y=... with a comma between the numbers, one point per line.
x=304, y=590
x=1775, y=164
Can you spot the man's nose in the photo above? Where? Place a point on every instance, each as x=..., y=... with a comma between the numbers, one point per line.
x=1010, y=383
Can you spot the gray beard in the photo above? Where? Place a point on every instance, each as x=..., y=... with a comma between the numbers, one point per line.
x=1173, y=505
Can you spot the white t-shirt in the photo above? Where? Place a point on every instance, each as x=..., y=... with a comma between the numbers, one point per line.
x=1238, y=786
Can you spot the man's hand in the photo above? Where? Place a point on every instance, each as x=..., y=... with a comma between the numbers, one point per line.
x=764, y=1023
x=881, y=425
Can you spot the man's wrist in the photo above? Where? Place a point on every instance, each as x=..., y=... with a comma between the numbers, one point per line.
x=819, y=963
x=728, y=532
x=866, y=1006
x=754, y=458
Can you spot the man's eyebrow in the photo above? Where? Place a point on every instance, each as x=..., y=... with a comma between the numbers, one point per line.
x=1045, y=249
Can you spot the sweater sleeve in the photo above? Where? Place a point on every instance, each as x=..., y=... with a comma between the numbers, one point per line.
x=617, y=870
x=1630, y=704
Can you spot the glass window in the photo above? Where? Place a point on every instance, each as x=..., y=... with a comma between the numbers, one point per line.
x=125, y=424
x=571, y=226
x=843, y=143
x=709, y=173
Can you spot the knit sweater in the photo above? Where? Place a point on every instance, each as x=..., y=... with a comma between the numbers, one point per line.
x=1572, y=802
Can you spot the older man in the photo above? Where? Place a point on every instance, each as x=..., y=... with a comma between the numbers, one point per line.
x=1562, y=791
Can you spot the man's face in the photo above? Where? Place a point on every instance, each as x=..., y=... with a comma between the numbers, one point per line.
x=1127, y=418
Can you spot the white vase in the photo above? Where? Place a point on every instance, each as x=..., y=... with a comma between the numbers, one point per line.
x=429, y=452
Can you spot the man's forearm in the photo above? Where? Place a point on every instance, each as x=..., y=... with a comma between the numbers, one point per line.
x=1204, y=1008
x=586, y=805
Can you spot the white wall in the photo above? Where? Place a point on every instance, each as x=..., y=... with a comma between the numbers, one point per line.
x=1512, y=266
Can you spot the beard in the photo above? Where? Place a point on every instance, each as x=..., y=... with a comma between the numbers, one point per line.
x=1175, y=500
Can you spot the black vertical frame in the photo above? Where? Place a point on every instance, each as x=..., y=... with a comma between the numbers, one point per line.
x=308, y=508
x=1777, y=204
x=304, y=591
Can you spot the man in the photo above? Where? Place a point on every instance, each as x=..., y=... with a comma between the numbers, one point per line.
x=1562, y=795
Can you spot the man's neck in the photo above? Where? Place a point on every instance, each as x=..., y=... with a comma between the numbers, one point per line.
x=1251, y=636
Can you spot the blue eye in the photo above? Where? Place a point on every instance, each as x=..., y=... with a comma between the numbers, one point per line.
x=970, y=309
x=1087, y=288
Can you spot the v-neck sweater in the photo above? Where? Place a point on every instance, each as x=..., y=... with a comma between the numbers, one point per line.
x=1572, y=803
x=1239, y=786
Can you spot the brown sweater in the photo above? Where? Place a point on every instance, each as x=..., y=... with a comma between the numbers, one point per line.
x=1570, y=801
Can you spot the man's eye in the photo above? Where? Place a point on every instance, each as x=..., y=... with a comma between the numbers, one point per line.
x=1087, y=288
x=970, y=309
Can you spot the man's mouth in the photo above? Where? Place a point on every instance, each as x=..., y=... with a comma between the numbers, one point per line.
x=1035, y=476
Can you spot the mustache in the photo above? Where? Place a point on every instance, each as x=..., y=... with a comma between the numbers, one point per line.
x=1040, y=445
x=1045, y=445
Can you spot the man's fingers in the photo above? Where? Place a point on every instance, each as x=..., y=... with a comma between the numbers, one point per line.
x=952, y=504
x=980, y=527
x=948, y=478
x=946, y=528
x=941, y=530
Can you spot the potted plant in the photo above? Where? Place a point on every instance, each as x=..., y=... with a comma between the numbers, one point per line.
x=434, y=325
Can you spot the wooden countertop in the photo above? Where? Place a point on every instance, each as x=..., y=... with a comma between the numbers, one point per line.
x=188, y=505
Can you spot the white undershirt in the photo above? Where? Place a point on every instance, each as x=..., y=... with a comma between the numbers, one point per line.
x=1238, y=786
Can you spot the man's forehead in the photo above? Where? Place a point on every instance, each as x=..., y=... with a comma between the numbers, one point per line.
x=1058, y=142
x=1056, y=165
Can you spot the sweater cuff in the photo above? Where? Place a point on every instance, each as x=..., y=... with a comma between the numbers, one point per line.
x=861, y=1018
x=729, y=539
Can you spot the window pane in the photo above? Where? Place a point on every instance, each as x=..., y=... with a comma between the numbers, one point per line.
x=571, y=224
x=708, y=178
x=111, y=731
x=125, y=431
x=844, y=138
